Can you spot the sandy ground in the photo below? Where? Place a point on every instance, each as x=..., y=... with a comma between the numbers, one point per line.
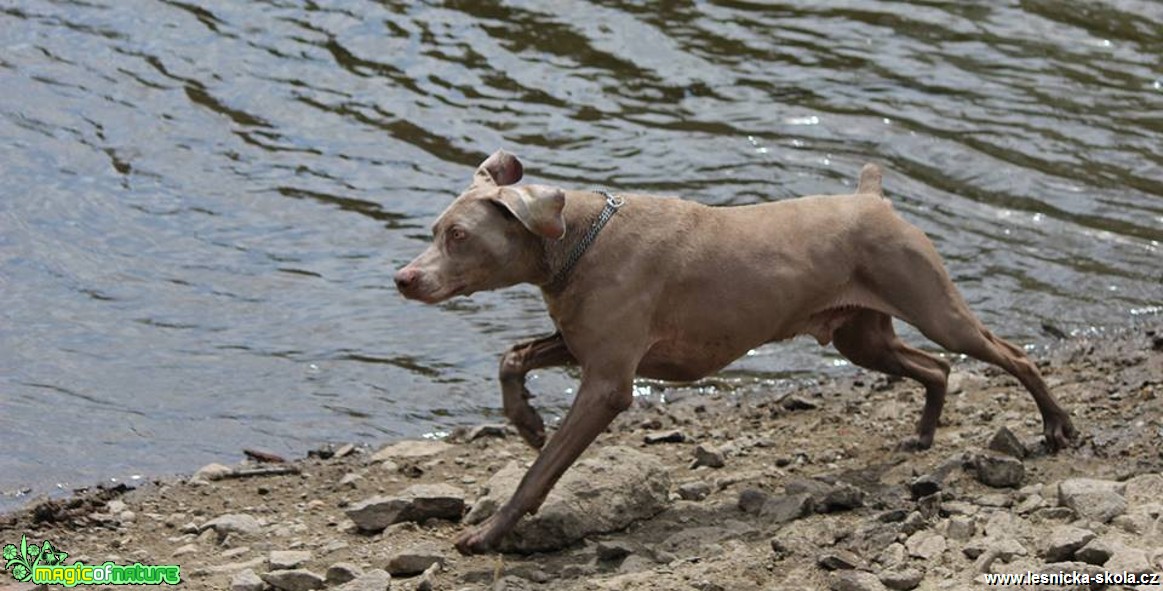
x=716, y=532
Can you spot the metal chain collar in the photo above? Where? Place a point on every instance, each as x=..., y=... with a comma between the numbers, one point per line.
x=612, y=204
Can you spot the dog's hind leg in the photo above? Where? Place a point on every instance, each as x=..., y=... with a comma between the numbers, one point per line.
x=868, y=340
x=515, y=364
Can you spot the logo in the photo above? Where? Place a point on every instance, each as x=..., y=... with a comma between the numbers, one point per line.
x=45, y=565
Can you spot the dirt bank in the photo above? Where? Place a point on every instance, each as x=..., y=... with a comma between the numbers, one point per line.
x=799, y=486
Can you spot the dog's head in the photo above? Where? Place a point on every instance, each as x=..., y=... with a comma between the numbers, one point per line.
x=490, y=237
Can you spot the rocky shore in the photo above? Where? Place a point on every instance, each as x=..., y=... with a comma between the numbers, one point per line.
x=791, y=486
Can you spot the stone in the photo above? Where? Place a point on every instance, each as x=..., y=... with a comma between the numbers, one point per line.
x=924, y=485
x=613, y=551
x=894, y=554
x=841, y=497
x=926, y=545
x=187, y=549
x=1063, y=541
x=752, y=500
x=694, y=491
x=999, y=471
x=1128, y=560
x=415, y=560
x=838, y=559
x=1097, y=500
x=1004, y=441
x=246, y=580
x=855, y=580
x=901, y=580
x=416, y=503
x=785, y=508
x=705, y=456
x=1097, y=552
x=288, y=559
x=1144, y=489
x=342, y=572
x=412, y=449
x=496, y=430
x=960, y=527
x=796, y=402
x=601, y=494
x=672, y=436
x=350, y=481
x=209, y=473
x=293, y=580
x=427, y=579
x=1001, y=547
x=373, y=580
x=232, y=523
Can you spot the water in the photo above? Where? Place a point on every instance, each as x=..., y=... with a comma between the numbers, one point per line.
x=203, y=202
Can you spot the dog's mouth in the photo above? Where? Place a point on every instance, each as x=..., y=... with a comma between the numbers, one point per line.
x=439, y=295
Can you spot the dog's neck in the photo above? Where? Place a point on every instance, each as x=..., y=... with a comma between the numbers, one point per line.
x=582, y=210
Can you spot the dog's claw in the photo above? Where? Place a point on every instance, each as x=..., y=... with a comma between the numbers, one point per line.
x=479, y=540
x=915, y=443
x=1059, y=432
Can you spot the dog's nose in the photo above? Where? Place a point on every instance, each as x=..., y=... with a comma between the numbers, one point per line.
x=405, y=278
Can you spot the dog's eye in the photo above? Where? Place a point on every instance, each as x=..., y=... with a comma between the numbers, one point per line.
x=457, y=234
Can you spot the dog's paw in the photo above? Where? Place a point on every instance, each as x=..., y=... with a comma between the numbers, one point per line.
x=915, y=443
x=1059, y=432
x=479, y=540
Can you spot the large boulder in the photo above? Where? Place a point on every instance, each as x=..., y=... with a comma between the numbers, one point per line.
x=604, y=493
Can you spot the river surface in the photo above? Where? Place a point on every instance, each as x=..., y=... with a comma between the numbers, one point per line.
x=202, y=203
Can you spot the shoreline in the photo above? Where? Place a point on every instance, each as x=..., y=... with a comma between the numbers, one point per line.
x=799, y=486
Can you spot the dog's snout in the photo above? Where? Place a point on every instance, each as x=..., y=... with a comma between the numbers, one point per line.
x=405, y=278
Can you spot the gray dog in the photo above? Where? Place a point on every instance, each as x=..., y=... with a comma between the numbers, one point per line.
x=676, y=290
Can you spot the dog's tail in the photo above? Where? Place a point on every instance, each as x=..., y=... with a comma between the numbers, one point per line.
x=870, y=178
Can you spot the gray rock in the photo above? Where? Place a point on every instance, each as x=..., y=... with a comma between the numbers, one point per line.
x=855, y=580
x=1004, y=441
x=926, y=545
x=1144, y=489
x=705, y=456
x=1128, y=560
x=924, y=485
x=672, y=436
x=999, y=471
x=960, y=527
x=415, y=560
x=1002, y=547
x=841, y=497
x=785, y=508
x=602, y=494
x=613, y=551
x=811, y=486
x=752, y=500
x=427, y=579
x=416, y=503
x=694, y=491
x=1097, y=552
x=901, y=580
x=1063, y=541
x=210, y=472
x=232, y=523
x=293, y=580
x=838, y=559
x=411, y=450
x=1098, y=500
x=246, y=581
x=796, y=402
x=342, y=572
x=350, y=480
x=288, y=559
x=481, y=431
x=373, y=580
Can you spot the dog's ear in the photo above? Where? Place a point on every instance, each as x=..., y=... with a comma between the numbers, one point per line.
x=537, y=207
x=500, y=169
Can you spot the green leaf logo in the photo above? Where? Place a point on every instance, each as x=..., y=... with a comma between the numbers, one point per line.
x=20, y=561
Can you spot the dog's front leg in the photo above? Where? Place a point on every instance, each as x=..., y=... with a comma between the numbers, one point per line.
x=602, y=395
x=515, y=364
